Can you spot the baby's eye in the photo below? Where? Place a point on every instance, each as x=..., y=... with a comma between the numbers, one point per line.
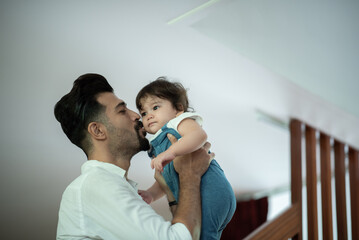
x=143, y=114
x=155, y=107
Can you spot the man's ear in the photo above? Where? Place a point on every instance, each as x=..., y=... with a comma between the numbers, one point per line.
x=97, y=130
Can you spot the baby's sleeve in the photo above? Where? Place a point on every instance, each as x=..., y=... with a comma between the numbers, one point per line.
x=176, y=121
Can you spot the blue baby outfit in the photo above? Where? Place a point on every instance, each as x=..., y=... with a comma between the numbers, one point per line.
x=218, y=200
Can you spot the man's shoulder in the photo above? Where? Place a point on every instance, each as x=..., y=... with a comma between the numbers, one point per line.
x=97, y=176
x=91, y=185
x=76, y=184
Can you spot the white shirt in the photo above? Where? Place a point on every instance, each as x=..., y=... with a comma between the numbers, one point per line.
x=102, y=204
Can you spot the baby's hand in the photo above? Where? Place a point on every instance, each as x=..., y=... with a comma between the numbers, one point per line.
x=146, y=196
x=162, y=160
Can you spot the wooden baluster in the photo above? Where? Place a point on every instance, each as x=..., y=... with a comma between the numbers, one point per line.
x=340, y=195
x=296, y=171
x=311, y=183
x=354, y=191
x=326, y=186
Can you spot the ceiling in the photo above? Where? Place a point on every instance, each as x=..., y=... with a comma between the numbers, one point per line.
x=239, y=59
x=313, y=44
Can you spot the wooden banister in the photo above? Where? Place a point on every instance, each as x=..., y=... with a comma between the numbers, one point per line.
x=354, y=191
x=326, y=186
x=340, y=196
x=289, y=223
x=282, y=227
x=296, y=171
x=311, y=167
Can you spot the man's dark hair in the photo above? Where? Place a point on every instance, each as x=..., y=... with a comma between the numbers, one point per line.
x=162, y=88
x=80, y=107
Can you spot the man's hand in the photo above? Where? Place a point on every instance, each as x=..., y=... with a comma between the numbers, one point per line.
x=190, y=168
x=194, y=164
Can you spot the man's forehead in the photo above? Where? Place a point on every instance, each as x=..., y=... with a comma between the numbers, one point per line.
x=109, y=100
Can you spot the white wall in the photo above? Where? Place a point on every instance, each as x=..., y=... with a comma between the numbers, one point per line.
x=279, y=202
x=46, y=45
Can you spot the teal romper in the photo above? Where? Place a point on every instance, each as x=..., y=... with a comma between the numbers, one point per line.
x=217, y=196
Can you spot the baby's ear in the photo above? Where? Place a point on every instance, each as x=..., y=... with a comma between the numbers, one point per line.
x=180, y=107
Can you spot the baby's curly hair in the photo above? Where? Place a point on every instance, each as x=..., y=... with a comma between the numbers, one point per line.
x=162, y=88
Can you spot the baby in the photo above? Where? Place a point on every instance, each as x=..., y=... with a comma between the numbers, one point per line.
x=163, y=106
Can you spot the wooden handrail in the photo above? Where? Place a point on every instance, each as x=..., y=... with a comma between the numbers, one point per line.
x=289, y=223
x=282, y=227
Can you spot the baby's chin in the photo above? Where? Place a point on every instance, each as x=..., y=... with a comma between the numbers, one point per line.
x=151, y=131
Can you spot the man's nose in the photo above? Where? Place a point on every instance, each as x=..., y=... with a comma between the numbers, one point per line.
x=134, y=116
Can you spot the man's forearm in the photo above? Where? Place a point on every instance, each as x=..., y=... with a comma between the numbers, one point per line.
x=189, y=207
x=190, y=168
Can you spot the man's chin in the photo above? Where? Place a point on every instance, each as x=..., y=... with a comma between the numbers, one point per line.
x=143, y=141
x=143, y=133
x=144, y=144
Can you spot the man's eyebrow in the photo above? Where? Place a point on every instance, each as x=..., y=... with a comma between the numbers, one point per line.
x=121, y=104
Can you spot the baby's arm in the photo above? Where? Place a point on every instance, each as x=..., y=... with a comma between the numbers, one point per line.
x=152, y=194
x=193, y=137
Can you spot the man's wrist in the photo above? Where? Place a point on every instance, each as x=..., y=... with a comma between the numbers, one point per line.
x=189, y=180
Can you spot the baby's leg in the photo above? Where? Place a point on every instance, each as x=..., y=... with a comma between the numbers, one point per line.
x=218, y=203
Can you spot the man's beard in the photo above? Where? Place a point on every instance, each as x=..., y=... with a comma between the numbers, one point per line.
x=143, y=141
x=125, y=142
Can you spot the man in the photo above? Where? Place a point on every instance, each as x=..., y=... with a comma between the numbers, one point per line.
x=102, y=203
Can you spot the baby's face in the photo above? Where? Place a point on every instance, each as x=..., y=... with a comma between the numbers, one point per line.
x=156, y=112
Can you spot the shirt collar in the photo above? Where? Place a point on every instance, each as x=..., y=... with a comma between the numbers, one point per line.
x=89, y=164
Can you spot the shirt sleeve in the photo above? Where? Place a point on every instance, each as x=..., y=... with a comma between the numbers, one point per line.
x=113, y=206
x=176, y=121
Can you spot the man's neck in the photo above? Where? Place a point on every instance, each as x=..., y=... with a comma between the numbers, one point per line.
x=120, y=161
